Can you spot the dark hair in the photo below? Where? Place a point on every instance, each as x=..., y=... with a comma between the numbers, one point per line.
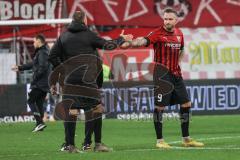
x=170, y=10
x=41, y=37
x=79, y=16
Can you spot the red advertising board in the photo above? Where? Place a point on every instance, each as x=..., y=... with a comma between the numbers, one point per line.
x=143, y=13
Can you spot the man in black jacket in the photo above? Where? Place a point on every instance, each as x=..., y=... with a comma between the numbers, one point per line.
x=39, y=84
x=78, y=65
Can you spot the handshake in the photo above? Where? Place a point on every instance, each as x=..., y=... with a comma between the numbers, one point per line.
x=130, y=42
x=126, y=37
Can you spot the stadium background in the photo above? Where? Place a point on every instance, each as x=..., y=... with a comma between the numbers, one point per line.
x=211, y=68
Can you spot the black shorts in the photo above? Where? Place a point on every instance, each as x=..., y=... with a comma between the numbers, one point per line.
x=169, y=89
x=82, y=102
x=86, y=98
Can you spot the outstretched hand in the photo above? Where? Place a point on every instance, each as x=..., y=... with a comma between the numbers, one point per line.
x=127, y=37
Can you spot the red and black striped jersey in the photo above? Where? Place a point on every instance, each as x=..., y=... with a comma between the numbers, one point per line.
x=167, y=46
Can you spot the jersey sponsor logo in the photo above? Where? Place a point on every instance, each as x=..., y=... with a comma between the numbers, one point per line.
x=173, y=45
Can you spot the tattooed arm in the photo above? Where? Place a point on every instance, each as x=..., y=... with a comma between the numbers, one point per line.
x=138, y=42
x=181, y=54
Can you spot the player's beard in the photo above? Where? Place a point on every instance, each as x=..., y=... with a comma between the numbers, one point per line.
x=169, y=27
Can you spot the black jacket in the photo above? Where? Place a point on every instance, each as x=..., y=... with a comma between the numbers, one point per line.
x=79, y=40
x=41, y=68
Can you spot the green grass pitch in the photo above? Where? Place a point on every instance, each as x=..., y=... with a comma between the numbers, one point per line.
x=133, y=140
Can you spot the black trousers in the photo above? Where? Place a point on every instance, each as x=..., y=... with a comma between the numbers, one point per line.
x=35, y=102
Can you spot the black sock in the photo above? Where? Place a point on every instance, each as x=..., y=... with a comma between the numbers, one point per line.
x=184, y=118
x=66, y=132
x=98, y=129
x=70, y=127
x=89, y=126
x=157, y=119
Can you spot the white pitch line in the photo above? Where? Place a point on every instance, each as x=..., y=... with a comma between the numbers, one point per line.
x=183, y=148
x=155, y=149
x=207, y=148
x=19, y=155
x=35, y=154
x=209, y=138
x=195, y=148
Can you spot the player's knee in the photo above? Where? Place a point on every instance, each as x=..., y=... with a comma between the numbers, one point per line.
x=94, y=113
x=184, y=114
x=74, y=112
x=99, y=109
x=158, y=114
x=160, y=108
x=186, y=105
x=71, y=118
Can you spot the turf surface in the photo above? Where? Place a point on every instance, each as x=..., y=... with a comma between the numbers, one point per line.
x=134, y=140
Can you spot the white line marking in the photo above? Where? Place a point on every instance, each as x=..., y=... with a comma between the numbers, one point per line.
x=183, y=148
x=155, y=149
x=209, y=138
x=194, y=148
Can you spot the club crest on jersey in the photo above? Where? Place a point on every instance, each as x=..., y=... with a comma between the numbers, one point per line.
x=178, y=38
